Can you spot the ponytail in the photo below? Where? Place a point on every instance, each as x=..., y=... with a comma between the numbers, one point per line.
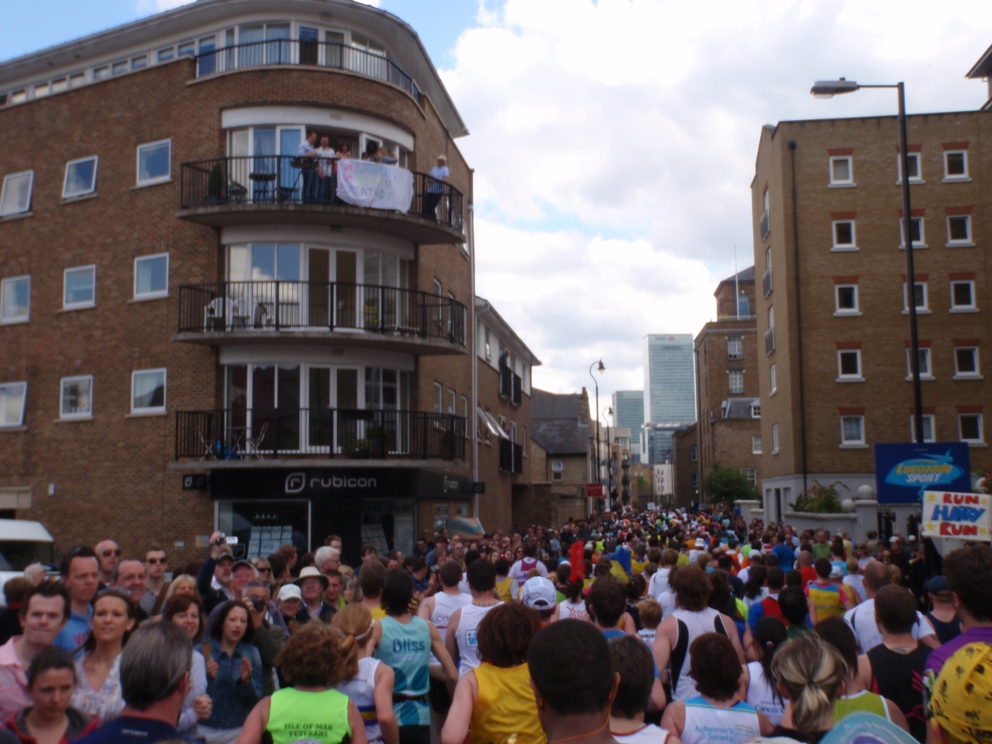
x=355, y=624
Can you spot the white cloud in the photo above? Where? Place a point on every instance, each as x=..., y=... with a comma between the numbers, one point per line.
x=614, y=146
x=158, y=6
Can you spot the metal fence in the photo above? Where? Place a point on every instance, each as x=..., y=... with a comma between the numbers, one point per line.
x=260, y=433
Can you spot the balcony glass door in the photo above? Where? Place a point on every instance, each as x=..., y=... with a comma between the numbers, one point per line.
x=275, y=407
x=269, y=263
x=318, y=289
x=350, y=429
x=308, y=46
x=346, y=294
x=320, y=419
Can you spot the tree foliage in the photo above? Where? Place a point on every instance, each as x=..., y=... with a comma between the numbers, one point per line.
x=729, y=485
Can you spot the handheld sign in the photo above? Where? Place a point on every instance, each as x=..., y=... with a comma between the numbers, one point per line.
x=965, y=516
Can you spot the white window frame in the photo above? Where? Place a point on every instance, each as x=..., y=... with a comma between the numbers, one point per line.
x=735, y=347
x=65, y=180
x=838, y=310
x=156, y=294
x=65, y=276
x=87, y=414
x=452, y=402
x=975, y=374
x=756, y=410
x=958, y=242
x=849, y=377
x=933, y=428
x=751, y=474
x=165, y=389
x=925, y=307
x=774, y=439
x=926, y=369
x=836, y=244
x=4, y=284
x=917, y=244
x=693, y=453
x=4, y=193
x=970, y=308
x=733, y=374
x=844, y=441
x=772, y=379
x=948, y=176
x=756, y=444
x=438, y=397
x=918, y=178
x=557, y=470
x=981, y=428
x=137, y=165
x=9, y=386
x=843, y=183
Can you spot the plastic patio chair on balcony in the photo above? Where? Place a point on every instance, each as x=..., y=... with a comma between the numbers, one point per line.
x=253, y=444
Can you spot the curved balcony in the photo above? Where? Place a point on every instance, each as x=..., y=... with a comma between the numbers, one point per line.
x=327, y=55
x=228, y=437
x=345, y=314
x=361, y=194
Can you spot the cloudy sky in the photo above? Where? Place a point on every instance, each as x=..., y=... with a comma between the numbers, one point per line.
x=614, y=141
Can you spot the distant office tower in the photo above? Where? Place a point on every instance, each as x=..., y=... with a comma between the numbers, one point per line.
x=669, y=393
x=628, y=411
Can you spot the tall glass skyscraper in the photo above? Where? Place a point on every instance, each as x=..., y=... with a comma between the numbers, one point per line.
x=669, y=393
x=628, y=411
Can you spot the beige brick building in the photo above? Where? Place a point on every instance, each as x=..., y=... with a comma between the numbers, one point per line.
x=562, y=463
x=833, y=368
x=202, y=330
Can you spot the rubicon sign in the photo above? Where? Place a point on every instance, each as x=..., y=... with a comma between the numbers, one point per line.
x=298, y=482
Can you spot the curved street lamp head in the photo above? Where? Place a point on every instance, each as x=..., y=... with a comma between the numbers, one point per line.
x=601, y=367
x=831, y=88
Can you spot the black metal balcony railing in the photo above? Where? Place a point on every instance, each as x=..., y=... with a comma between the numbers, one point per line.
x=311, y=53
x=511, y=457
x=510, y=386
x=280, y=180
x=246, y=433
x=285, y=305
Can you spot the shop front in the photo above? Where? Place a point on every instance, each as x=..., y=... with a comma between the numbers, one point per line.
x=268, y=508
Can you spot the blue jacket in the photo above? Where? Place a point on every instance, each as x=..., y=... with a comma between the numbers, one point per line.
x=233, y=700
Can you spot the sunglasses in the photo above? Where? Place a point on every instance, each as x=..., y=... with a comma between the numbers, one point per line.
x=264, y=570
x=155, y=561
x=108, y=553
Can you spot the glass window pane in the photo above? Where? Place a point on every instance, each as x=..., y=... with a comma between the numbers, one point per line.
x=956, y=164
x=962, y=294
x=151, y=275
x=80, y=177
x=971, y=427
x=16, y=195
x=138, y=62
x=148, y=390
x=966, y=360
x=79, y=286
x=958, y=228
x=852, y=428
x=77, y=396
x=154, y=161
x=164, y=55
x=118, y=67
x=12, y=403
x=15, y=299
x=842, y=169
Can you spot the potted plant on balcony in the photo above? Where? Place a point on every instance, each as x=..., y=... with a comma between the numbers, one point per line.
x=369, y=447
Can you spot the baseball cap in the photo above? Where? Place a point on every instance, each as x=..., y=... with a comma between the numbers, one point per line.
x=538, y=593
x=961, y=694
x=289, y=591
x=225, y=556
x=836, y=573
x=937, y=585
x=243, y=562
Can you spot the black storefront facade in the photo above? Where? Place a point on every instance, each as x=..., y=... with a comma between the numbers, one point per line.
x=384, y=507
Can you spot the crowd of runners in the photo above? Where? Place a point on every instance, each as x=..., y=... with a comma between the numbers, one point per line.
x=635, y=628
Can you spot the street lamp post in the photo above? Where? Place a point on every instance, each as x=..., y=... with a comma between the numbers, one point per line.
x=828, y=89
x=600, y=368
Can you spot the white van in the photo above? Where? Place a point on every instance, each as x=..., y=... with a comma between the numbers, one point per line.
x=22, y=543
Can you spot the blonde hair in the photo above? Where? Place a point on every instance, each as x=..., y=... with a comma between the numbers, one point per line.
x=812, y=673
x=650, y=611
x=177, y=582
x=355, y=624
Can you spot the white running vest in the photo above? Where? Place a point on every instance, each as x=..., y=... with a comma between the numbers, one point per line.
x=467, y=636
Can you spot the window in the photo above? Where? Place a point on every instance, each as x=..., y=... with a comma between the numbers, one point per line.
x=956, y=165
x=465, y=414
x=849, y=365
x=452, y=402
x=966, y=362
x=962, y=295
x=154, y=162
x=557, y=470
x=959, y=229
x=924, y=364
x=99, y=73
x=77, y=80
x=693, y=453
x=523, y=442
x=756, y=444
x=119, y=68
x=164, y=55
x=489, y=348
x=774, y=439
x=42, y=90
x=694, y=479
x=970, y=428
x=59, y=86
x=846, y=299
x=916, y=228
x=148, y=391
x=80, y=177
x=187, y=49
x=751, y=474
x=735, y=379
x=151, y=276
x=772, y=379
x=928, y=428
x=437, y=288
x=756, y=410
x=843, y=231
x=914, y=167
x=80, y=287
x=852, y=430
x=438, y=398
x=12, y=396
x=920, y=295
x=16, y=195
x=77, y=397
x=15, y=299
x=735, y=347
x=841, y=171
x=138, y=62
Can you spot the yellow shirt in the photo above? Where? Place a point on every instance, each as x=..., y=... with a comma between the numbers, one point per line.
x=505, y=706
x=504, y=589
x=638, y=566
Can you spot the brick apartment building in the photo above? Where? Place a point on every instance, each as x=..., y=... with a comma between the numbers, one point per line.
x=833, y=362
x=561, y=457
x=195, y=333
x=728, y=418
x=686, y=484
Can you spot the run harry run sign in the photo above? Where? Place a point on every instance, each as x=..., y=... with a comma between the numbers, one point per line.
x=962, y=515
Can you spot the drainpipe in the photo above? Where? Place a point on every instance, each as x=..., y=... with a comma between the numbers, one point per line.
x=473, y=415
x=799, y=313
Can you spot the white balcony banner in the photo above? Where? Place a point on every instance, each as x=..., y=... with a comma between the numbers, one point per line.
x=363, y=183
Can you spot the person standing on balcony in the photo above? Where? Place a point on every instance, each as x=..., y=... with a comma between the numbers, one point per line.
x=307, y=150
x=325, y=170
x=435, y=188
